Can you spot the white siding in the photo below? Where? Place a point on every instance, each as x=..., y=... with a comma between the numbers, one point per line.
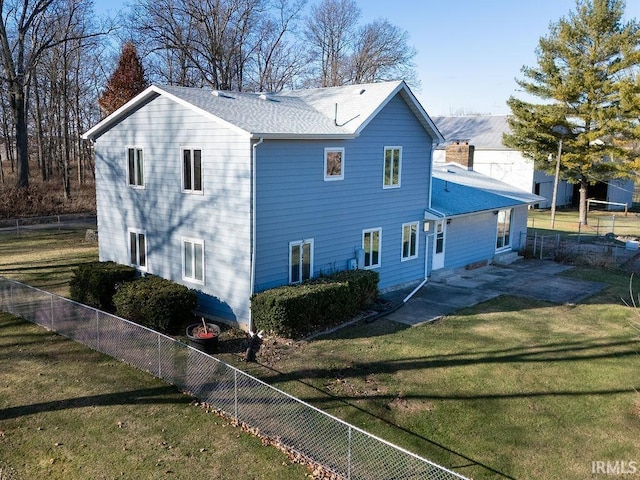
x=221, y=216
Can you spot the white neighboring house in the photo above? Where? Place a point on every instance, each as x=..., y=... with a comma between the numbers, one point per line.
x=490, y=157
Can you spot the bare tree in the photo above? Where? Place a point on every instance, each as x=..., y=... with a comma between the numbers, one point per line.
x=381, y=52
x=28, y=30
x=279, y=56
x=331, y=31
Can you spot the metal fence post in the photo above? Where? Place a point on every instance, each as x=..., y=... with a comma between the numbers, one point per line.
x=349, y=455
x=613, y=224
x=10, y=298
x=541, y=246
x=98, y=329
x=51, y=312
x=235, y=394
x=159, y=362
x=535, y=243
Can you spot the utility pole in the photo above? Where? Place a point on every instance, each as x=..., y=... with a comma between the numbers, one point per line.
x=562, y=131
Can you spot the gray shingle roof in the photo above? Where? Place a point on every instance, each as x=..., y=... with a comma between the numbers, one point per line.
x=457, y=191
x=483, y=132
x=338, y=112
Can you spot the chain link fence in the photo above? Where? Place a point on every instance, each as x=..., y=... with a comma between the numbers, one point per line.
x=605, y=252
x=345, y=450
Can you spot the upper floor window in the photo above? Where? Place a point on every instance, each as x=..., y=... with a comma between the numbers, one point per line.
x=409, y=241
x=138, y=249
x=371, y=244
x=135, y=166
x=392, y=167
x=333, y=164
x=193, y=260
x=192, y=170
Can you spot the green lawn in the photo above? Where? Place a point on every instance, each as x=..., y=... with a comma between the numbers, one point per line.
x=599, y=223
x=512, y=388
x=67, y=412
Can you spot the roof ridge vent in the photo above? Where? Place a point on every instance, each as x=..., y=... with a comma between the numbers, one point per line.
x=267, y=96
x=220, y=93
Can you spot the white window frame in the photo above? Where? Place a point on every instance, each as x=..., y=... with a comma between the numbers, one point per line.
x=364, y=247
x=191, y=190
x=193, y=242
x=137, y=263
x=301, y=244
x=138, y=176
x=332, y=178
x=384, y=167
x=509, y=222
x=416, y=250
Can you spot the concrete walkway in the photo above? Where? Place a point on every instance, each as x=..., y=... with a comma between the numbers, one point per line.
x=536, y=279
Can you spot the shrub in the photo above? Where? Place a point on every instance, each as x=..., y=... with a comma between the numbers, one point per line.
x=155, y=302
x=296, y=310
x=94, y=283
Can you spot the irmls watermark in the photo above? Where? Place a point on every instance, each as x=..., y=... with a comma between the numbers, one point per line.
x=615, y=467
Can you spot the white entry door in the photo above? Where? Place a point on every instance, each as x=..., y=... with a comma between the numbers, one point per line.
x=438, y=245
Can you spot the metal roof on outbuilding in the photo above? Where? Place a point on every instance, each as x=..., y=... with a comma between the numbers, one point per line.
x=482, y=131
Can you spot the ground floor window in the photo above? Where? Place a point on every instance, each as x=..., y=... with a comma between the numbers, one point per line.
x=504, y=229
x=138, y=249
x=300, y=261
x=193, y=260
x=371, y=244
x=409, y=241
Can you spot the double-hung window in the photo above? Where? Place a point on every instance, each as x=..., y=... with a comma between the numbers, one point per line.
x=138, y=249
x=192, y=170
x=333, y=164
x=193, y=260
x=392, y=167
x=504, y=229
x=409, y=241
x=300, y=261
x=372, y=245
x=135, y=167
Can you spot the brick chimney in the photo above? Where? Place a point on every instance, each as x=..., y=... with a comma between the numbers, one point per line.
x=460, y=152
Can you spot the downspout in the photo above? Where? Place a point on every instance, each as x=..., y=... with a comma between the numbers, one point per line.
x=426, y=240
x=253, y=220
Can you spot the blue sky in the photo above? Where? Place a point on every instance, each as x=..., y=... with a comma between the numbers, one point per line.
x=469, y=51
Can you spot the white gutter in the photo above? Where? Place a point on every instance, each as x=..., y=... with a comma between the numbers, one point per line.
x=253, y=218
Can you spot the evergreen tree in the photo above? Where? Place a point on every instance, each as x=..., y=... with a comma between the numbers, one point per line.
x=127, y=81
x=588, y=78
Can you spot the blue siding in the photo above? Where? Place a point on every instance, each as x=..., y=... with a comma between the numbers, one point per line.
x=294, y=202
x=220, y=217
x=472, y=238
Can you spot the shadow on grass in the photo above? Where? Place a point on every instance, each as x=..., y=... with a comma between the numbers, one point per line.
x=155, y=396
x=577, y=351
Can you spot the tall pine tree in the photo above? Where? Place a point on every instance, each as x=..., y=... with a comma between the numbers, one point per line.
x=127, y=81
x=588, y=79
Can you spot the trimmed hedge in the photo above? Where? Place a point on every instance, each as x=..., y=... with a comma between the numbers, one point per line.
x=94, y=283
x=296, y=310
x=155, y=302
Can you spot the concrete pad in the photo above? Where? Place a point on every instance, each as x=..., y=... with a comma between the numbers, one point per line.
x=528, y=278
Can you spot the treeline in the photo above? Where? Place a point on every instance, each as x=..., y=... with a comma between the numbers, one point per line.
x=57, y=56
